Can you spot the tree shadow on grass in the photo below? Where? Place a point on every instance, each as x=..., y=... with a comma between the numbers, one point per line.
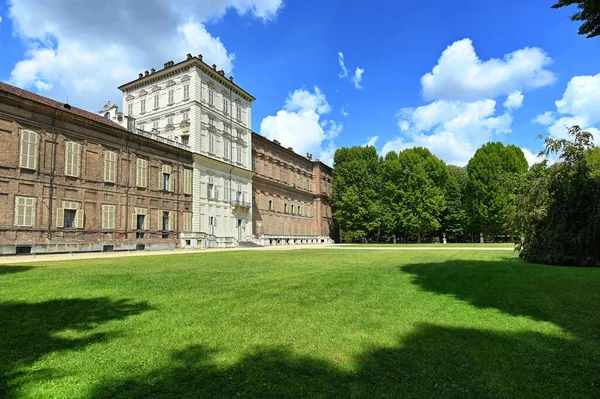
x=433, y=361
x=14, y=269
x=29, y=331
x=565, y=296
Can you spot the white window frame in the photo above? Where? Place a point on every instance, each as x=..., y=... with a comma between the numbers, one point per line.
x=73, y=206
x=141, y=173
x=143, y=106
x=109, y=217
x=29, y=150
x=171, y=95
x=25, y=208
x=110, y=166
x=186, y=91
x=156, y=101
x=211, y=142
x=72, y=159
x=188, y=175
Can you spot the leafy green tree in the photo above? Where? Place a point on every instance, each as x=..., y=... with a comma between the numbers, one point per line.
x=493, y=180
x=589, y=13
x=422, y=180
x=559, y=207
x=391, y=175
x=356, y=188
x=454, y=217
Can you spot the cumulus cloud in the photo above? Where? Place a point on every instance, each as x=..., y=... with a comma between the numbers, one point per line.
x=461, y=75
x=531, y=158
x=299, y=125
x=88, y=54
x=371, y=141
x=579, y=105
x=357, y=78
x=514, y=100
x=344, y=73
x=451, y=129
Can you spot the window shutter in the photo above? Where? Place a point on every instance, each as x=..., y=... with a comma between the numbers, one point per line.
x=104, y=217
x=172, y=183
x=160, y=177
x=68, y=164
x=79, y=219
x=60, y=217
x=171, y=220
x=158, y=223
x=134, y=221
x=77, y=158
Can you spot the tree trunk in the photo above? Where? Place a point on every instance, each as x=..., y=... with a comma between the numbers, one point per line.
x=394, y=238
x=418, y=238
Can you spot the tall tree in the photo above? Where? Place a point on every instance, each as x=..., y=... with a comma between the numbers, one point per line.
x=355, y=197
x=559, y=206
x=493, y=178
x=420, y=194
x=589, y=13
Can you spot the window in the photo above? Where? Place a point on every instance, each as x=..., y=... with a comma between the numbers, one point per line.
x=226, y=144
x=171, y=92
x=108, y=217
x=72, y=159
x=238, y=114
x=239, y=154
x=270, y=205
x=211, y=143
x=227, y=128
x=187, y=221
x=29, y=150
x=166, y=220
x=156, y=101
x=166, y=182
x=227, y=190
x=225, y=106
x=69, y=216
x=186, y=91
x=285, y=208
x=143, y=106
x=186, y=116
x=138, y=221
x=25, y=211
x=141, y=173
x=155, y=125
x=211, y=96
x=185, y=139
x=110, y=167
x=211, y=120
x=187, y=181
x=142, y=126
x=292, y=209
x=210, y=189
x=170, y=120
x=130, y=109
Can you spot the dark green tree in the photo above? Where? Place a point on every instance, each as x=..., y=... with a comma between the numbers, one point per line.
x=589, y=13
x=356, y=189
x=493, y=178
x=420, y=191
x=559, y=206
x=454, y=217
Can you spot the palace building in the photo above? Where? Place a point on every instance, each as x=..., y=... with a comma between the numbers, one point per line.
x=179, y=167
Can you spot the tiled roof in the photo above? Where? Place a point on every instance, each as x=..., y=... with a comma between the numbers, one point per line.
x=6, y=88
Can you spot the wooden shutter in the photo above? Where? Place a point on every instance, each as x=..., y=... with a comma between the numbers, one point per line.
x=110, y=166
x=187, y=181
x=60, y=217
x=79, y=219
x=133, y=221
x=171, y=220
x=172, y=182
x=29, y=150
x=68, y=163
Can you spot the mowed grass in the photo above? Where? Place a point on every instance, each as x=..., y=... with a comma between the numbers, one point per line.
x=305, y=323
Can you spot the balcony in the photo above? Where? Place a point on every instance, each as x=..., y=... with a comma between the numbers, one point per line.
x=239, y=204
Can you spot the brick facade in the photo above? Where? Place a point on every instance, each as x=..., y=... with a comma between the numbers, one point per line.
x=70, y=141
x=290, y=195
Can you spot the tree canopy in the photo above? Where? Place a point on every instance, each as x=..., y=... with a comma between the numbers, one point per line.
x=589, y=14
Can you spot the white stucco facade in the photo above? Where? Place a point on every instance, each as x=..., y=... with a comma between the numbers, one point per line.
x=194, y=104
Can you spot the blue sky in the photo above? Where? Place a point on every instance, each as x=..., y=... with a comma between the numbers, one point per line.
x=286, y=53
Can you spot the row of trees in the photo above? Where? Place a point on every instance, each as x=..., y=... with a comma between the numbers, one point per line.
x=413, y=193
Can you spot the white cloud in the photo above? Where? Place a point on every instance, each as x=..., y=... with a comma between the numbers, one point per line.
x=531, y=157
x=371, y=141
x=357, y=78
x=343, y=111
x=514, y=100
x=452, y=130
x=344, y=73
x=461, y=74
x=579, y=105
x=299, y=125
x=88, y=54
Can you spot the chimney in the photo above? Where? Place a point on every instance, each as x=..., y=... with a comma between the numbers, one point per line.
x=200, y=57
x=276, y=142
x=189, y=56
x=152, y=70
x=290, y=148
x=214, y=66
x=146, y=73
x=231, y=79
x=141, y=75
x=308, y=156
x=222, y=72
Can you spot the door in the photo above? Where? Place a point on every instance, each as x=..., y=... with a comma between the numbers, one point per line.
x=239, y=227
x=140, y=221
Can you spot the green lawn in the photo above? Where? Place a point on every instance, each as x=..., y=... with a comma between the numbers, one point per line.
x=449, y=245
x=305, y=323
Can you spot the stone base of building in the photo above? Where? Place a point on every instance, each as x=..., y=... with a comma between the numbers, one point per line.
x=203, y=240
x=75, y=247
x=273, y=239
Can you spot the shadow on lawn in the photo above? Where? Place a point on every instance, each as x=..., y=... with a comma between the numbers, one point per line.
x=432, y=362
x=565, y=296
x=14, y=269
x=29, y=331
